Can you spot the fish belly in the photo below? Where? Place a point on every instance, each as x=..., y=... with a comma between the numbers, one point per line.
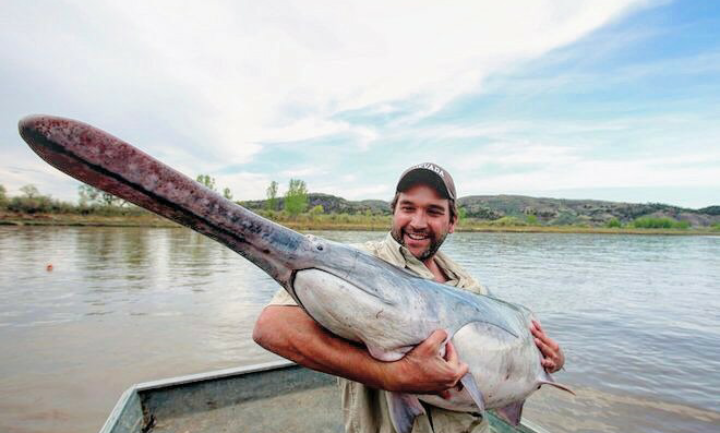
x=354, y=314
x=505, y=367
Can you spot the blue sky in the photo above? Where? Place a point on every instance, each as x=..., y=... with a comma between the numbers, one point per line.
x=612, y=100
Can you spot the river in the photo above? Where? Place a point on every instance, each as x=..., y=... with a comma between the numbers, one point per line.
x=638, y=317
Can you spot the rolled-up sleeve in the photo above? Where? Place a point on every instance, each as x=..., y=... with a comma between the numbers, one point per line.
x=282, y=297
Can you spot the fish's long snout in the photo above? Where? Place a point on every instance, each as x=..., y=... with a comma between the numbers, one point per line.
x=112, y=165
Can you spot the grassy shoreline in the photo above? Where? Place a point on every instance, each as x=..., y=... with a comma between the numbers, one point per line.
x=149, y=220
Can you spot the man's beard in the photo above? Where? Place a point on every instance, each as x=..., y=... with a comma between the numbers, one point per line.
x=433, y=248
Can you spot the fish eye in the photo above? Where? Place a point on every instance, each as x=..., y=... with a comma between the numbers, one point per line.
x=318, y=243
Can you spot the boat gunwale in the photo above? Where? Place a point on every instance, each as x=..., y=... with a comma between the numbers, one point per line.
x=136, y=390
x=214, y=375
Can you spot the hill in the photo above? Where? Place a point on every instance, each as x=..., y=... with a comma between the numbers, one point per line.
x=593, y=212
x=331, y=204
x=550, y=211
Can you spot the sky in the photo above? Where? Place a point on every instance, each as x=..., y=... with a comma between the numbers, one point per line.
x=602, y=99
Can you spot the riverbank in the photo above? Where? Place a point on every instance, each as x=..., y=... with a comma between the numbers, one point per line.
x=305, y=224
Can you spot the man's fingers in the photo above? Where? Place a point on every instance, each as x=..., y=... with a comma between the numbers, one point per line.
x=462, y=370
x=549, y=342
x=447, y=394
x=450, y=353
x=553, y=358
x=544, y=348
x=537, y=325
x=435, y=340
x=549, y=366
x=538, y=333
x=535, y=331
x=451, y=356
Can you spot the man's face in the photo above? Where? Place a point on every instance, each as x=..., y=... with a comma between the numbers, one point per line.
x=421, y=221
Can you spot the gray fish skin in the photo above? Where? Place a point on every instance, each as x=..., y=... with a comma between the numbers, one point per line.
x=351, y=293
x=492, y=336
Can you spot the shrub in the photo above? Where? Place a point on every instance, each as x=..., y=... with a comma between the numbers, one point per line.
x=3, y=197
x=613, y=223
x=682, y=225
x=659, y=223
x=462, y=213
x=565, y=218
x=508, y=221
x=30, y=205
x=317, y=210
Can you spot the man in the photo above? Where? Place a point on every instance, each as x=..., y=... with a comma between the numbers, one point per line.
x=424, y=213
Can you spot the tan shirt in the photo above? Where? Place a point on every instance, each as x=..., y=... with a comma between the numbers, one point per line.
x=365, y=408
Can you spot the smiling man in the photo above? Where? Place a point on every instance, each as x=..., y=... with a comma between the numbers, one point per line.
x=424, y=213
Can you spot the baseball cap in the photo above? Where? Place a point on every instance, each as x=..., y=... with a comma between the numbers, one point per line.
x=431, y=174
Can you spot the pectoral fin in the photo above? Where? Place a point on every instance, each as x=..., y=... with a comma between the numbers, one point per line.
x=468, y=382
x=546, y=379
x=511, y=413
x=403, y=408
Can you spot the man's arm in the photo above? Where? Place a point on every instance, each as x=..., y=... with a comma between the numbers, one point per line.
x=289, y=332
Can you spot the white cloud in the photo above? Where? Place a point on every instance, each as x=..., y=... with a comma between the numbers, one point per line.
x=588, y=173
x=228, y=77
x=356, y=191
x=300, y=172
x=517, y=154
x=244, y=185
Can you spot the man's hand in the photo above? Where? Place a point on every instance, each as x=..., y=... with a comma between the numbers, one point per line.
x=424, y=371
x=553, y=357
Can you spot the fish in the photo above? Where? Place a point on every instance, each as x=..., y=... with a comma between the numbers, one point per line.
x=351, y=293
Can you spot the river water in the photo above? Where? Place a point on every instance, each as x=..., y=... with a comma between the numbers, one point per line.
x=638, y=317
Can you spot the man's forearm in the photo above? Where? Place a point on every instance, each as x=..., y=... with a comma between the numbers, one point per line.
x=292, y=334
x=289, y=332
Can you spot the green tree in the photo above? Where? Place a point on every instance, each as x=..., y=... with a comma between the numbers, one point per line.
x=207, y=180
x=227, y=194
x=88, y=194
x=31, y=201
x=271, y=202
x=531, y=219
x=296, y=197
x=29, y=191
x=107, y=199
x=3, y=197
